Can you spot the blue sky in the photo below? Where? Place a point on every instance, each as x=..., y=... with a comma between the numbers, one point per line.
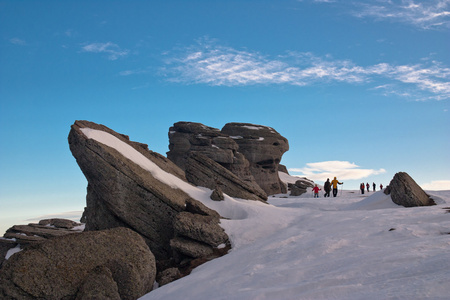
x=359, y=88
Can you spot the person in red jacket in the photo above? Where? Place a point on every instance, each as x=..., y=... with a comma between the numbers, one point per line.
x=316, y=190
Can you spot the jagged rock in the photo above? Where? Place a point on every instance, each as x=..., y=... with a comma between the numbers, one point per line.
x=203, y=171
x=200, y=228
x=406, y=192
x=217, y=194
x=187, y=138
x=263, y=147
x=121, y=193
x=57, y=268
x=168, y=275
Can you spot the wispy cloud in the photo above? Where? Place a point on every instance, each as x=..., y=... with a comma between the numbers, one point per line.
x=343, y=170
x=112, y=50
x=424, y=14
x=213, y=64
x=17, y=41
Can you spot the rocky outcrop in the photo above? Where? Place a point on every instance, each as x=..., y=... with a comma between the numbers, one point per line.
x=121, y=193
x=263, y=147
x=137, y=189
x=406, y=192
x=109, y=264
x=190, y=143
x=251, y=152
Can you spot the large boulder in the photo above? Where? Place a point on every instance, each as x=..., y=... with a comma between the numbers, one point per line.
x=263, y=147
x=406, y=192
x=131, y=186
x=188, y=138
x=109, y=264
x=121, y=193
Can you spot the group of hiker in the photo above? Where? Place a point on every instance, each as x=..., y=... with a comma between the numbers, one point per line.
x=362, y=187
x=334, y=184
x=327, y=188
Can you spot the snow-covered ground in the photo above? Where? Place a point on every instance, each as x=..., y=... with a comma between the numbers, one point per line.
x=349, y=247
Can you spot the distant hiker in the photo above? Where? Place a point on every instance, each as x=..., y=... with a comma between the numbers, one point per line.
x=368, y=187
x=374, y=186
x=327, y=188
x=316, y=190
x=381, y=186
x=335, y=183
x=362, y=188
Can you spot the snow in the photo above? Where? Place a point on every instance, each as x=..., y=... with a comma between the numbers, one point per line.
x=349, y=247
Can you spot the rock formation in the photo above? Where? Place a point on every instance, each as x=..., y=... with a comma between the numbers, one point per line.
x=406, y=192
x=299, y=187
x=190, y=143
x=263, y=147
x=109, y=264
x=121, y=193
x=251, y=152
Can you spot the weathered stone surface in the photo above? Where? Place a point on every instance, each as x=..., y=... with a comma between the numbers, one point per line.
x=203, y=171
x=121, y=193
x=204, y=229
x=190, y=247
x=59, y=267
x=196, y=207
x=263, y=147
x=99, y=284
x=168, y=275
x=187, y=138
x=406, y=192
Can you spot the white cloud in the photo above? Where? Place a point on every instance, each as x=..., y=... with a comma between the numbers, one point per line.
x=212, y=64
x=343, y=170
x=438, y=185
x=424, y=14
x=17, y=41
x=112, y=50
